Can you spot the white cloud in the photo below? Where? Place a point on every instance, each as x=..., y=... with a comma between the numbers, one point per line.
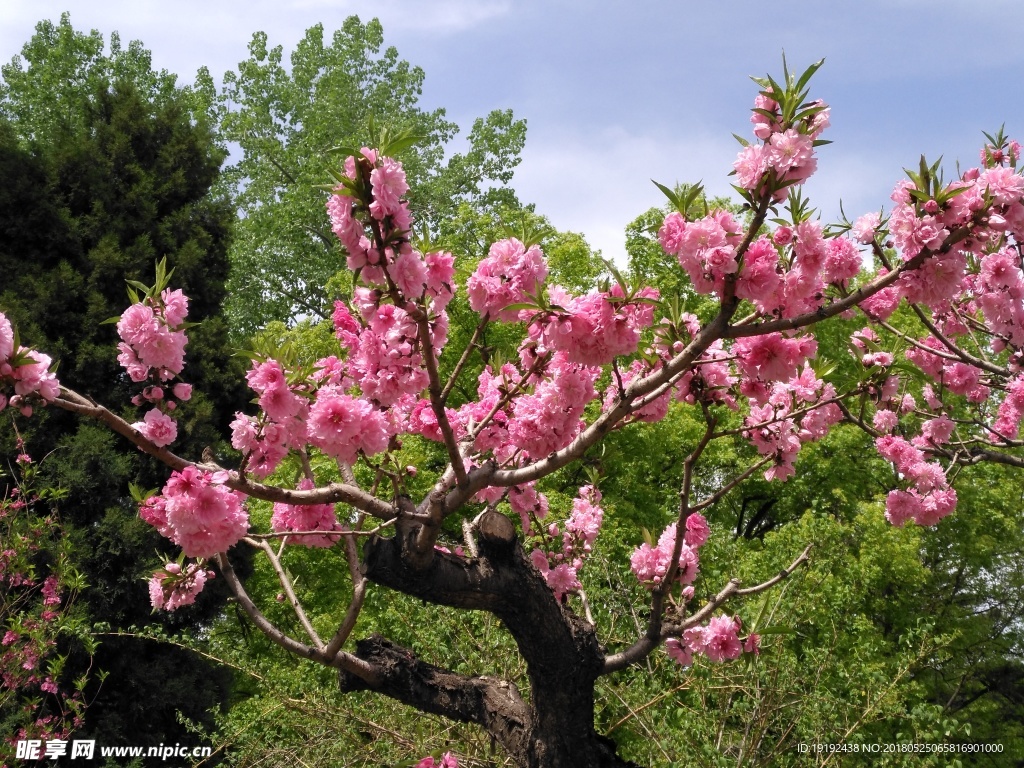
x=596, y=184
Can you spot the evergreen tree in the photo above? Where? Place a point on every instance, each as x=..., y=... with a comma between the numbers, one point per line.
x=101, y=194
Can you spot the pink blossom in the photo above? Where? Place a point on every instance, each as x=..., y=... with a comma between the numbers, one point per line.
x=671, y=232
x=341, y=426
x=175, y=307
x=527, y=503
x=6, y=338
x=157, y=427
x=509, y=274
x=549, y=419
x=885, y=420
x=173, y=588
x=596, y=328
x=388, y=184
x=759, y=279
x=842, y=261
x=864, y=228
x=772, y=357
x=750, y=166
x=678, y=652
x=721, y=639
x=752, y=644
x=201, y=515
x=409, y=273
x=697, y=530
x=306, y=517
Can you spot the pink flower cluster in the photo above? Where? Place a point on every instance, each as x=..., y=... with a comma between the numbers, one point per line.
x=175, y=587
x=387, y=360
x=549, y=419
x=794, y=412
x=719, y=640
x=596, y=328
x=152, y=340
x=705, y=248
x=282, y=423
x=510, y=274
x=306, y=517
x=929, y=498
x=1011, y=410
x=24, y=371
x=650, y=412
x=373, y=230
x=786, y=154
x=651, y=564
x=581, y=529
x=772, y=357
x=529, y=504
x=342, y=426
x=447, y=761
x=152, y=350
x=198, y=512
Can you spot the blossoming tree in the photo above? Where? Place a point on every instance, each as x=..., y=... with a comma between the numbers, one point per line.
x=586, y=365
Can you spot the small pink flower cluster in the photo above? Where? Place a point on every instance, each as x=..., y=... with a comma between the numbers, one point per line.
x=958, y=377
x=710, y=380
x=306, y=517
x=793, y=412
x=595, y=329
x=510, y=274
x=373, y=226
x=705, y=248
x=198, y=512
x=447, y=761
x=786, y=155
x=528, y=503
x=281, y=424
x=152, y=350
x=719, y=640
x=387, y=360
x=581, y=530
x=1011, y=410
x=550, y=417
x=175, y=587
x=24, y=370
x=152, y=340
x=929, y=499
x=866, y=341
x=649, y=412
x=651, y=564
x=389, y=219
x=772, y=357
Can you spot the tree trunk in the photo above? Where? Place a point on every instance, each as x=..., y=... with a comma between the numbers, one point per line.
x=555, y=729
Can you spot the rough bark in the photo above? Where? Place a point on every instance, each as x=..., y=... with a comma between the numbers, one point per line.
x=555, y=729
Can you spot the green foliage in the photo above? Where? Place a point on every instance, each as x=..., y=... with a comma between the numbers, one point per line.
x=48, y=90
x=287, y=119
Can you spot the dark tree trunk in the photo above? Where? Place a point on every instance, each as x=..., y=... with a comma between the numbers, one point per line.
x=555, y=729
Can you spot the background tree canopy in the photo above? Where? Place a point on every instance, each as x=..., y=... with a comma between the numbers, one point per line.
x=286, y=121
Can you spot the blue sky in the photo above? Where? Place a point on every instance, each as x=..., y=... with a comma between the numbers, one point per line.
x=616, y=94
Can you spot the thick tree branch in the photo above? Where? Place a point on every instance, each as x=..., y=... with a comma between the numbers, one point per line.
x=495, y=705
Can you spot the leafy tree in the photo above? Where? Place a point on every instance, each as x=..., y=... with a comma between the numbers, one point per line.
x=117, y=179
x=286, y=120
